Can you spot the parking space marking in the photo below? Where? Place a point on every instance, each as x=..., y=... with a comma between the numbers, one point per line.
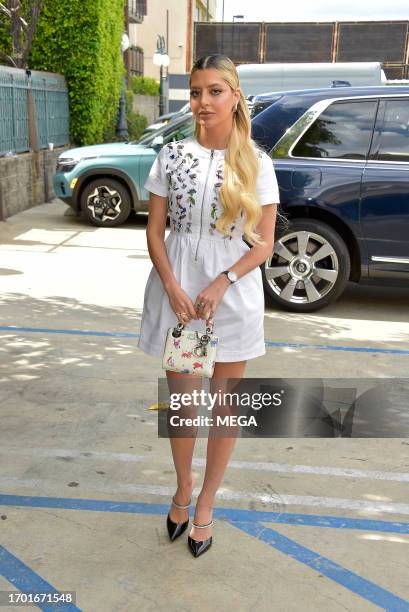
x=76, y=332
x=27, y=581
x=78, y=454
x=258, y=466
x=250, y=522
x=334, y=347
x=357, y=584
x=268, y=343
x=314, y=501
x=231, y=514
x=274, y=498
x=312, y=469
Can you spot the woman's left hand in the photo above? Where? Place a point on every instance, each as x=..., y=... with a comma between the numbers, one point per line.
x=208, y=299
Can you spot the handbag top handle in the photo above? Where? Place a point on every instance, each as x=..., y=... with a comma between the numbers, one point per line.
x=181, y=326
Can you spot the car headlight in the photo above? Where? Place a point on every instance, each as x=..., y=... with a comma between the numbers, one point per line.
x=66, y=164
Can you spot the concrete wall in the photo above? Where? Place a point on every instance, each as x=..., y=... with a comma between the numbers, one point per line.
x=21, y=187
x=148, y=106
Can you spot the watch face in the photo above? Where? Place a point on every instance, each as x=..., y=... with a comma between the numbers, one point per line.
x=232, y=276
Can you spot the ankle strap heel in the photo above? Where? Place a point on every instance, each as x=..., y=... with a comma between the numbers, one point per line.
x=202, y=526
x=178, y=505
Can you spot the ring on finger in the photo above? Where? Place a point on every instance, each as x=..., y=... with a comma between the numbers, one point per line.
x=200, y=306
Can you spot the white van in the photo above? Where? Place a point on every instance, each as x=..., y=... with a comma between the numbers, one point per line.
x=264, y=78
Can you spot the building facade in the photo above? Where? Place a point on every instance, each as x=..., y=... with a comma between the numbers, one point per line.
x=175, y=20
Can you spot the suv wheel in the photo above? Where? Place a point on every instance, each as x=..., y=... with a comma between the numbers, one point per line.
x=105, y=202
x=309, y=267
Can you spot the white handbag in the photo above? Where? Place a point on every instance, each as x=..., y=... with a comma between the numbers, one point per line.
x=190, y=352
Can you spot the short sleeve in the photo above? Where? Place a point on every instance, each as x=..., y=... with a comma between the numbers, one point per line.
x=157, y=180
x=266, y=185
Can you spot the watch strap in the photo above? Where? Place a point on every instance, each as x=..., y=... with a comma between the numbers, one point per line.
x=226, y=272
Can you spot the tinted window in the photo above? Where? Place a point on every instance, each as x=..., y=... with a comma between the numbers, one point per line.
x=394, y=139
x=343, y=130
x=183, y=130
x=168, y=133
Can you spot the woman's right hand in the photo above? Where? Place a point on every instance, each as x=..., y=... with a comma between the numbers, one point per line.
x=181, y=303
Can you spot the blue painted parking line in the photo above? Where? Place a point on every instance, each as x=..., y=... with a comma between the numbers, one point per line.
x=333, y=347
x=231, y=514
x=27, y=581
x=357, y=584
x=250, y=522
x=268, y=343
x=75, y=332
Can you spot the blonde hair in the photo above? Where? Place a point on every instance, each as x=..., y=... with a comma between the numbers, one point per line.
x=241, y=163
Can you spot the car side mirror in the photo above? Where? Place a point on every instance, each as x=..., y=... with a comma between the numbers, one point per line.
x=157, y=142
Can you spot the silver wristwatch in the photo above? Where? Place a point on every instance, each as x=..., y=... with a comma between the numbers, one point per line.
x=232, y=276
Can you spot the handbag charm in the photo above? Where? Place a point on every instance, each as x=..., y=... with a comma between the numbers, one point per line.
x=190, y=352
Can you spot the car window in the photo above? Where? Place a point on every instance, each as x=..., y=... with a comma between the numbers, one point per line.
x=394, y=137
x=167, y=133
x=343, y=131
x=183, y=130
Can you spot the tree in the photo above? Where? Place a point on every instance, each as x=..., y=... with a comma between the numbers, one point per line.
x=23, y=16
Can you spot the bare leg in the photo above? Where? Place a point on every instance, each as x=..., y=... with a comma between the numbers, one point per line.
x=219, y=450
x=183, y=447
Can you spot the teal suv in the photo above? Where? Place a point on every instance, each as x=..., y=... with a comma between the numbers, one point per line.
x=105, y=182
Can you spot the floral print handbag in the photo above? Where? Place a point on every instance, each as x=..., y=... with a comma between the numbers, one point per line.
x=190, y=352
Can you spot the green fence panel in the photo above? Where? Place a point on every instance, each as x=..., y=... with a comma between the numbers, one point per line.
x=50, y=96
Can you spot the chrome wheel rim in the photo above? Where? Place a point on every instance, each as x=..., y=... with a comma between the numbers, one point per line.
x=303, y=267
x=104, y=203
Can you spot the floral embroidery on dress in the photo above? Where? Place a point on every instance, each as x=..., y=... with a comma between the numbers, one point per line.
x=215, y=206
x=182, y=174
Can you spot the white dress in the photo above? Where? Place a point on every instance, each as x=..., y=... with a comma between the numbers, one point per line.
x=191, y=175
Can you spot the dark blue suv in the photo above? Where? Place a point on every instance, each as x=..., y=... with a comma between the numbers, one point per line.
x=341, y=157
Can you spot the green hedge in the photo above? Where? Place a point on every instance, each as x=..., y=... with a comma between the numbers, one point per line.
x=135, y=121
x=145, y=86
x=82, y=40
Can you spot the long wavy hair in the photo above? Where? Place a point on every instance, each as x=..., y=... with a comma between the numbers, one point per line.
x=241, y=163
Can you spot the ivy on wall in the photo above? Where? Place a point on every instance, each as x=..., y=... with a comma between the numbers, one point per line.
x=81, y=39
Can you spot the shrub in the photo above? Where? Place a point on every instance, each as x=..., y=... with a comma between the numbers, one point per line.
x=82, y=40
x=136, y=122
x=145, y=86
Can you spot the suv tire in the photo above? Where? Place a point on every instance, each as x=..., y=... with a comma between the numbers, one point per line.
x=298, y=280
x=105, y=202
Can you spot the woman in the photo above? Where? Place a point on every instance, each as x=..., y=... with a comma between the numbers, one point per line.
x=216, y=187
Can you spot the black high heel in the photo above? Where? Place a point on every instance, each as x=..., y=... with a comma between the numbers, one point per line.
x=199, y=547
x=176, y=529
